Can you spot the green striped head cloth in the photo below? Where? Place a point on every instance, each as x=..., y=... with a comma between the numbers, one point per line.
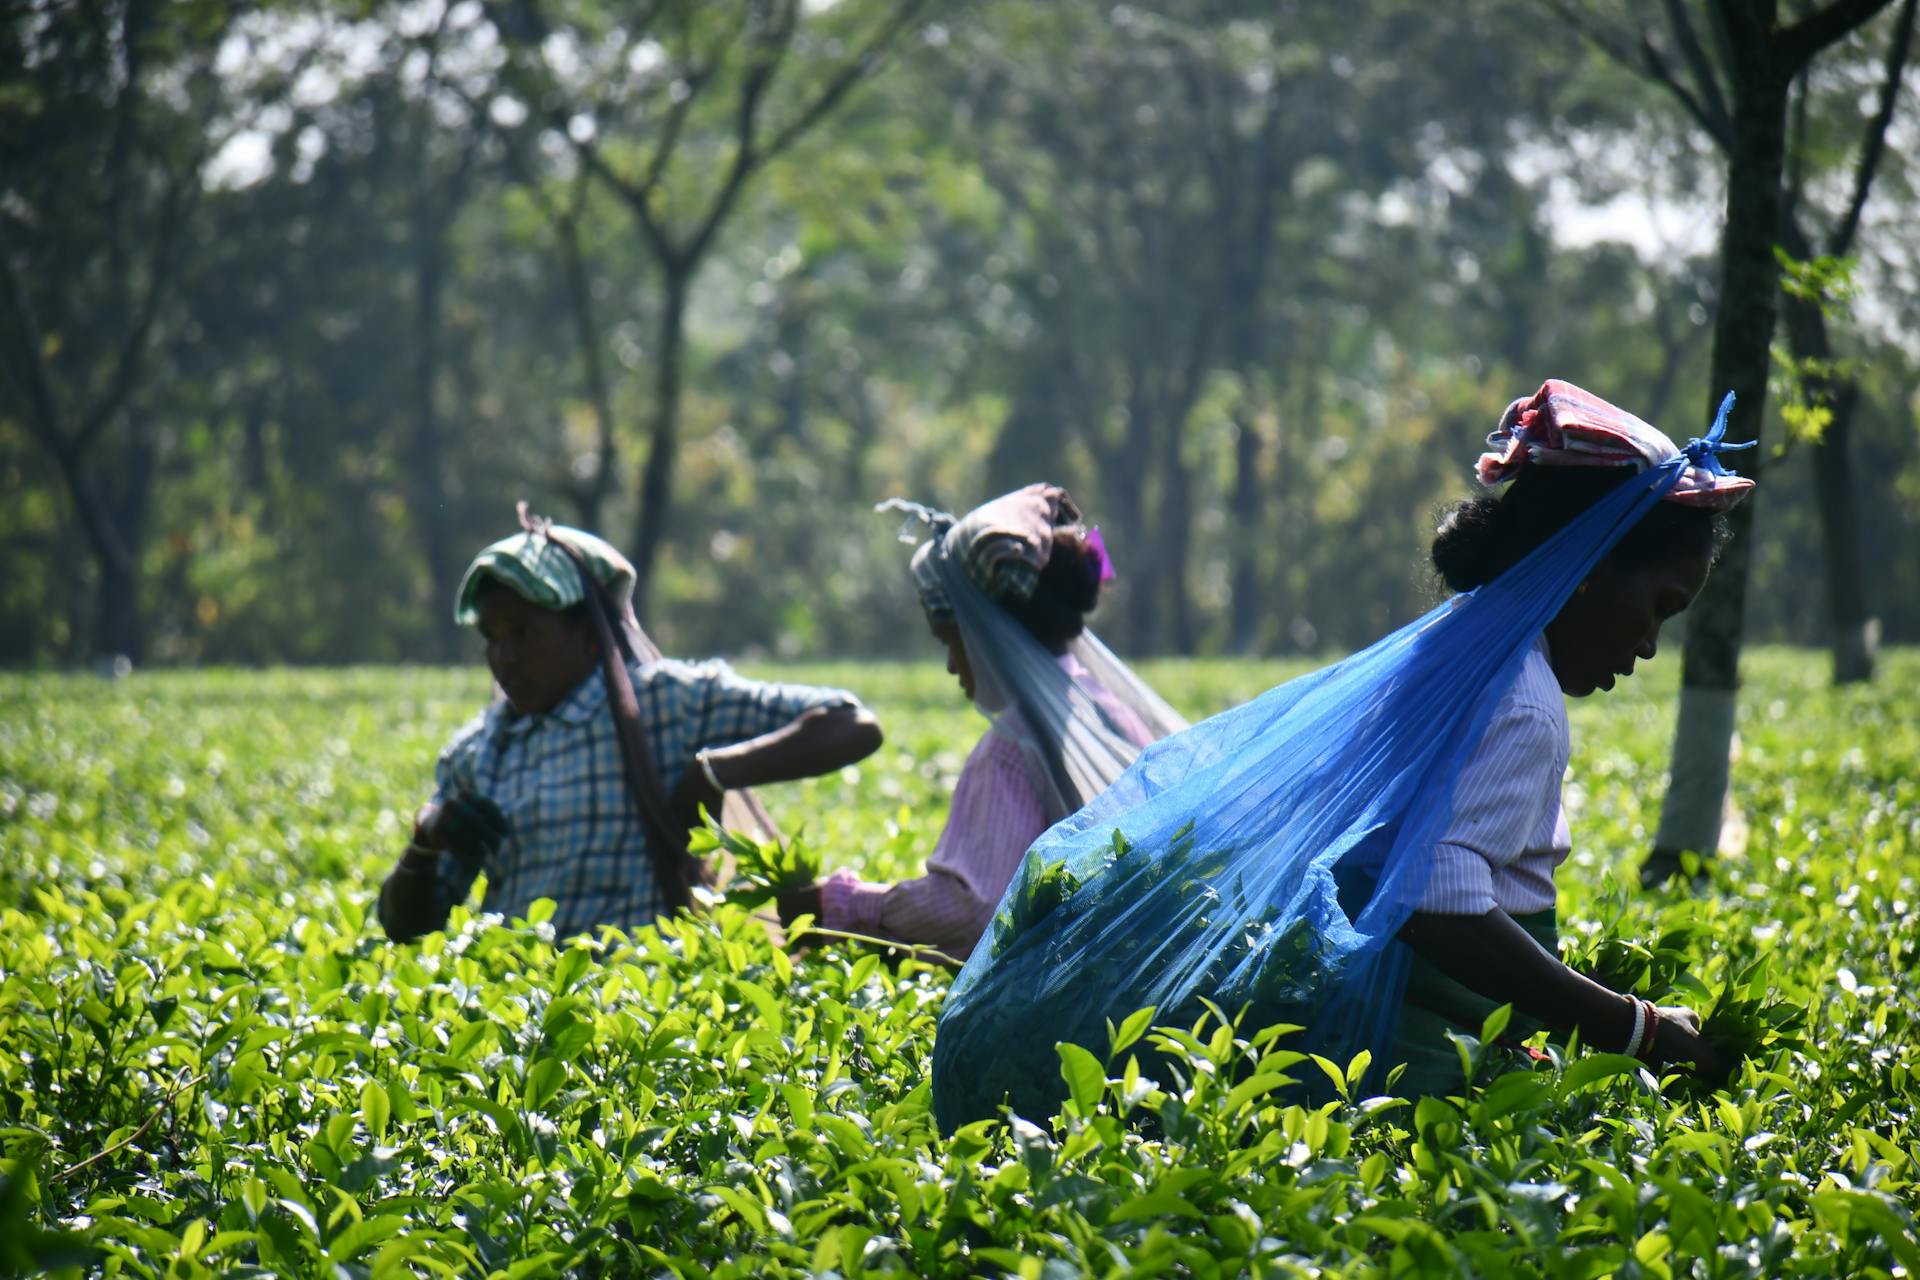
x=530, y=566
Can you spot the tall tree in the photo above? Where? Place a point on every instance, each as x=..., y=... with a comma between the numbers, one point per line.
x=1696, y=67
x=441, y=184
x=1830, y=385
x=657, y=103
x=1144, y=153
x=1761, y=57
x=89, y=265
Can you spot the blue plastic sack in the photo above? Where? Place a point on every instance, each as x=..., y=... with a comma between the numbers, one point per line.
x=1214, y=866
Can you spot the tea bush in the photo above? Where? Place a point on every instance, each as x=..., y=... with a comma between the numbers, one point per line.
x=211, y=1062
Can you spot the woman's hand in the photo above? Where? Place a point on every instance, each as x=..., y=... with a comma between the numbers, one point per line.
x=1678, y=1040
x=794, y=903
x=462, y=823
x=694, y=791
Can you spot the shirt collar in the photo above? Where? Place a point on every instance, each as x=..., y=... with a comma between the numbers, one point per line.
x=577, y=707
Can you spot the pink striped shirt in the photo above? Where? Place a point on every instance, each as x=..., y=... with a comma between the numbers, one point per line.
x=996, y=816
x=1509, y=831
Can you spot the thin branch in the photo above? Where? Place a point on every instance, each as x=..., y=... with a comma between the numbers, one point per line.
x=565, y=224
x=182, y=194
x=913, y=949
x=670, y=133
x=166, y=1105
x=861, y=64
x=1642, y=58
x=750, y=150
x=1874, y=144
x=745, y=160
x=1606, y=42
x=45, y=418
x=636, y=197
x=133, y=351
x=1655, y=65
x=633, y=197
x=1706, y=82
x=1800, y=42
x=518, y=169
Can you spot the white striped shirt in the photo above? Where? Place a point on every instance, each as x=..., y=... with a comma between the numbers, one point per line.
x=1509, y=830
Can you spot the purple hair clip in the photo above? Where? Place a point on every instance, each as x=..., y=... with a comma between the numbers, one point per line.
x=1099, y=545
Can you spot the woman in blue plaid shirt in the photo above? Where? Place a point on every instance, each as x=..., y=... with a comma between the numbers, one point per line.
x=535, y=792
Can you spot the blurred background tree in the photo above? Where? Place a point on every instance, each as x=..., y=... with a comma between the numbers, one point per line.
x=299, y=299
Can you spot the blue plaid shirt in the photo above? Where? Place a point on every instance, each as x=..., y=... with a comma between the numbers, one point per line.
x=573, y=831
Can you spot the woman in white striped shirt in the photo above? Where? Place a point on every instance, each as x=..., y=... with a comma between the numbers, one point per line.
x=1484, y=933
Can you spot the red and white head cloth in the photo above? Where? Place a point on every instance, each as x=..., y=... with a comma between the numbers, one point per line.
x=1561, y=425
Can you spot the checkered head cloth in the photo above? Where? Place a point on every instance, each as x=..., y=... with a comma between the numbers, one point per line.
x=1002, y=545
x=1561, y=425
x=530, y=566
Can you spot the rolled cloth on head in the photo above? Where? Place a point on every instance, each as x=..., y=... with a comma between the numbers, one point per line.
x=530, y=566
x=1078, y=715
x=1561, y=425
x=1002, y=546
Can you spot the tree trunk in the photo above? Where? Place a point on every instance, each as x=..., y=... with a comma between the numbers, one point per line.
x=427, y=462
x=1245, y=536
x=1840, y=522
x=1129, y=497
x=1176, y=537
x=1031, y=443
x=116, y=616
x=590, y=495
x=1743, y=335
x=1853, y=629
x=116, y=628
x=656, y=481
x=1850, y=628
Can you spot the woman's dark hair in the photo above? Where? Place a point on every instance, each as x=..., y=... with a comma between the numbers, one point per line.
x=1481, y=538
x=1068, y=589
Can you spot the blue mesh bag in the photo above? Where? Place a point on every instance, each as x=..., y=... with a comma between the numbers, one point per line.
x=1265, y=858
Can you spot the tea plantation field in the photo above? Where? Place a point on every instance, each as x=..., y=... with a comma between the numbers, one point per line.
x=211, y=1062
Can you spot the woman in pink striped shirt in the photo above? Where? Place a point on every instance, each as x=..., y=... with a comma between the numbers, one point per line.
x=1007, y=590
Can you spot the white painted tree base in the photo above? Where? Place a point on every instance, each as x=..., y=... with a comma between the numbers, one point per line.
x=1698, y=810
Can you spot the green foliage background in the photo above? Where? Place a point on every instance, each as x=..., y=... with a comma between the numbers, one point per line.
x=1253, y=280
x=212, y=1063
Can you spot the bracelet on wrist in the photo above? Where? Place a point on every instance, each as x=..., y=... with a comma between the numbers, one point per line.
x=1646, y=1053
x=705, y=762
x=418, y=858
x=1639, y=1027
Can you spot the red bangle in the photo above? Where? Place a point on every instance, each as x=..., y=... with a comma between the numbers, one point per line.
x=1646, y=1053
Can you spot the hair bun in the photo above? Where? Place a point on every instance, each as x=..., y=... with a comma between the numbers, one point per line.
x=1067, y=591
x=1467, y=546
x=1078, y=578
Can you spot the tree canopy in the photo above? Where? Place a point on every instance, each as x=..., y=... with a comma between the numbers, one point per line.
x=298, y=300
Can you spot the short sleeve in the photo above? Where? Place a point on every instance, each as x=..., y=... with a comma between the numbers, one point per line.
x=1499, y=801
x=732, y=708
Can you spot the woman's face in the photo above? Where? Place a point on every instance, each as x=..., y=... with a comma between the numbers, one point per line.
x=948, y=634
x=1614, y=619
x=537, y=656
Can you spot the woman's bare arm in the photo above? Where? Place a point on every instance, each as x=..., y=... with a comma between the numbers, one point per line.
x=1494, y=957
